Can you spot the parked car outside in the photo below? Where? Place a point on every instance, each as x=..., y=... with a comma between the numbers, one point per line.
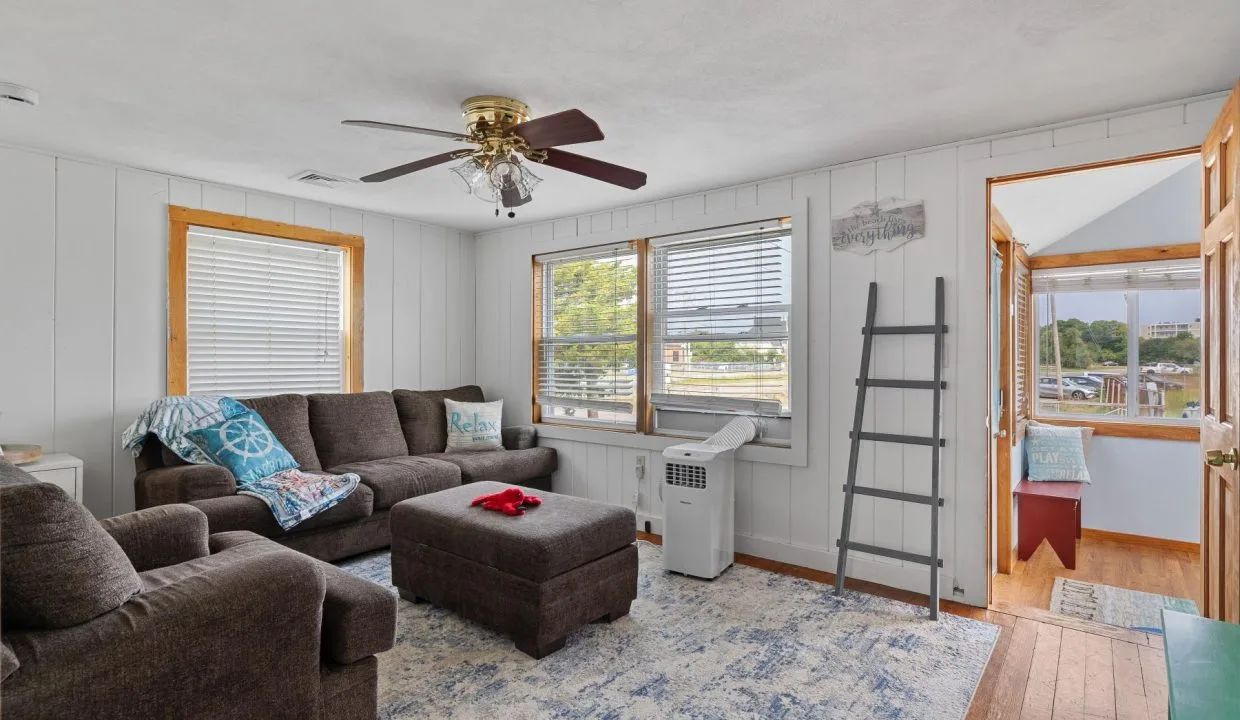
x=1166, y=368
x=1087, y=380
x=1048, y=388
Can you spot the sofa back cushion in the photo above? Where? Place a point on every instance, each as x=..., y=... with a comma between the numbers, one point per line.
x=288, y=416
x=58, y=566
x=352, y=427
x=423, y=417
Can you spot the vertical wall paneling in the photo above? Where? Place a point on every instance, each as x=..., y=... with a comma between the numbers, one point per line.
x=889, y=272
x=743, y=477
x=932, y=256
x=27, y=297
x=850, y=278
x=139, y=367
x=406, y=293
x=269, y=207
x=222, y=199
x=377, y=230
x=85, y=287
x=466, y=310
x=188, y=193
x=311, y=214
x=518, y=352
x=600, y=475
x=771, y=502
x=450, y=302
x=434, y=292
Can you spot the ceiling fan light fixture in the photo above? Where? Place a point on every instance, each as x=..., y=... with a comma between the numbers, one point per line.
x=468, y=174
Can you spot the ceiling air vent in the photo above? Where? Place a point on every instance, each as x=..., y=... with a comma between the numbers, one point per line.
x=322, y=179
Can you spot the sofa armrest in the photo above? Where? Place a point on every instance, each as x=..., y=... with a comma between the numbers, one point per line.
x=178, y=650
x=519, y=437
x=359, y=616
x=181, y=484
x=160, y=536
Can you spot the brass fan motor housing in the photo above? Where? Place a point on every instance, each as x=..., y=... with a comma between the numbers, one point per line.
x=493, y=114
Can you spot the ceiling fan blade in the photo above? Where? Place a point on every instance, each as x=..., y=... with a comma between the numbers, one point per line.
x=597, y=169
x=563, y=128
x=414, y=166
x=511, y=197
x=405, y=128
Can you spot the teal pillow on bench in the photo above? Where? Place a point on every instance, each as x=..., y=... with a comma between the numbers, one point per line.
x=1055, y=454
x=245, y=445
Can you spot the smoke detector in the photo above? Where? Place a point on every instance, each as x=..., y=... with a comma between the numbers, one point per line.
x=19, y=94
x=322, y=179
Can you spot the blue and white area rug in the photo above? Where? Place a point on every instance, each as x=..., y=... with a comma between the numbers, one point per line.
x=749, y=644
x=1117, y=606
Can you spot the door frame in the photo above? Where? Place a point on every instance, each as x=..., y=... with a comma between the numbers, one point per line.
x=973, y=176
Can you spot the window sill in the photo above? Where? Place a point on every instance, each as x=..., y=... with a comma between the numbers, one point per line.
x=619, y=437
x=1142, y=430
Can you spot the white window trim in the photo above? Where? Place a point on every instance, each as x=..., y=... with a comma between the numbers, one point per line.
x=796, y=453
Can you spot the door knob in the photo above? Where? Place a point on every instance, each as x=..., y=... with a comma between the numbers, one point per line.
x=1218, y=458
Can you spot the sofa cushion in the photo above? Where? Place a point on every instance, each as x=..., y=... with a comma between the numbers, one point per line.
x=352, y=427
x=288, y=416
x=423, y=417
x=246, y=512
x=509, y=466
x=400, y=478
x=59, y=567
x=563, y=533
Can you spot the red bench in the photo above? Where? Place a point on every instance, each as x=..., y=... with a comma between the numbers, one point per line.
x=1050, y=511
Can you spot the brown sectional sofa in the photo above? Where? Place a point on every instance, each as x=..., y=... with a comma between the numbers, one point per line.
x=394, y=441
x=146, y=615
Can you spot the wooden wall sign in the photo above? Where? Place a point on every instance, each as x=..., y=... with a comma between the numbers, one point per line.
x=883, y=225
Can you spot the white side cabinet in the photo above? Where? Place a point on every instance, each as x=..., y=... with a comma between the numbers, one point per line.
x=59, y=469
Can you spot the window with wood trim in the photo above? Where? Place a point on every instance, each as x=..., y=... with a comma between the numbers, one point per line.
x=586, y=318
x=674, y=334
x=1103, y=329
x=261, y=308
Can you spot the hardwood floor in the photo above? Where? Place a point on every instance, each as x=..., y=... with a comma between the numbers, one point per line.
x=1044, y=666
x=1138, y=567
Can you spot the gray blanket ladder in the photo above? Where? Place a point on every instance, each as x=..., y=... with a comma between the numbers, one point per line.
x=935, y=441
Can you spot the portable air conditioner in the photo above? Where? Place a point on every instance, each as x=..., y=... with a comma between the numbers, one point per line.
x=699, y=509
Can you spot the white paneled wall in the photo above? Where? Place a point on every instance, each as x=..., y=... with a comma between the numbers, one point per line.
x=790, y=512
x=83, y=297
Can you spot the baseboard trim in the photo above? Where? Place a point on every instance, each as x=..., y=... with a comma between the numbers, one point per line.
x=893, y=574
x=1145, y=540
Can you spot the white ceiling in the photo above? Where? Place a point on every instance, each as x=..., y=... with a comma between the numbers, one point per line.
x=1044, y=210
x=698, y=93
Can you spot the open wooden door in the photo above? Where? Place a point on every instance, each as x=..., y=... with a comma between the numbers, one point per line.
x=1220, y=333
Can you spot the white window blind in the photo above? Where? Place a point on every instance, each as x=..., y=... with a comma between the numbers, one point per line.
x=587, y=348
x=265, y=315
x=721, y=304
x=1023, y=321
x=1157, y=275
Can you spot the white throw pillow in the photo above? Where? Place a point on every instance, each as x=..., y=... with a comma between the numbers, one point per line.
x=474, y=426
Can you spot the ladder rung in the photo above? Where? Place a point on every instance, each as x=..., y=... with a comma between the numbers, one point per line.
x=902, y=329
x=887, y=552
x=903, y=439
x=894, y=495
x=907, y=384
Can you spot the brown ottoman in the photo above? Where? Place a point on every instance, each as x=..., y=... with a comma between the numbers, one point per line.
x=537, y=577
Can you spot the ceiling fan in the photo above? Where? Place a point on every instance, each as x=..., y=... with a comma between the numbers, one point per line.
x=504, y=134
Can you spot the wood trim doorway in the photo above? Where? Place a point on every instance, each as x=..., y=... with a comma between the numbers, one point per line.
x=1010, y=426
